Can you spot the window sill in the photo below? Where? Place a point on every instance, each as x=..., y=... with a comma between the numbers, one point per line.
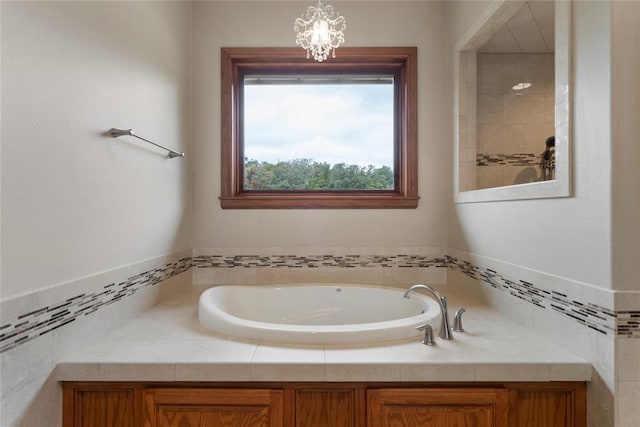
x=346, y=200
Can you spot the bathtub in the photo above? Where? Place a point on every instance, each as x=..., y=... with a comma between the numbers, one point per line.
x=316, y=313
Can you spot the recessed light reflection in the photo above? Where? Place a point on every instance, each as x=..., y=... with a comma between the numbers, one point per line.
x=522, y=86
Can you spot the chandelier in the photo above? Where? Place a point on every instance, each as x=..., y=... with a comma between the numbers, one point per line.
x=319, y=31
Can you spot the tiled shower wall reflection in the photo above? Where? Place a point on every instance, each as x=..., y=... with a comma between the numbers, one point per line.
x=512, y=124
x=502, y=131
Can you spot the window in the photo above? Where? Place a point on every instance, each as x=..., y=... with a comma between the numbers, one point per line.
x=274, y=99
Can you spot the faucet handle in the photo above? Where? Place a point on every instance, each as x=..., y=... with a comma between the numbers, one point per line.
x=428, y=334
x=457, y=320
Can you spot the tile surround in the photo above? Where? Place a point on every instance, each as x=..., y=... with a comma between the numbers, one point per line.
x=39, y=320
x=602, y=312
x=601, y=319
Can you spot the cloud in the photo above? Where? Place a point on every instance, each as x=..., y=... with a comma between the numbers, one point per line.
x=350, y=124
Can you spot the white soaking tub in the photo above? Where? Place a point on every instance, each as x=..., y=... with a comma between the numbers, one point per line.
x=316, y=313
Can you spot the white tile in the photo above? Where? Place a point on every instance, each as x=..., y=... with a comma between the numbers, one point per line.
x=570, y=372
x=361, y=355
x=567, y=333
x=287, y=372
x=416, y=352
x=38, y=403
x=203, y=276
x=437, y=371
x=77, y=372
x=23, y=364
x=362, y=372
x=605, y=359
x=514, y=372
x=11, y=308
x=627, y=300
x=182, y=351
x=541, y=349
x=628, y=359
x=603, y=405
x=291, y=354
x=137, y=371
x=628, y=411
x=213, y=371
x=405, y=277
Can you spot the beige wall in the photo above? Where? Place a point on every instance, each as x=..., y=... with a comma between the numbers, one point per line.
x=75, y=202
x=236, y=24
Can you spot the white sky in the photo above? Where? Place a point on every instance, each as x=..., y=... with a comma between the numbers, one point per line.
x=350, y=124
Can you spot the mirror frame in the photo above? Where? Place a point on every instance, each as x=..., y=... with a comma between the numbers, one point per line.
x=496, y=15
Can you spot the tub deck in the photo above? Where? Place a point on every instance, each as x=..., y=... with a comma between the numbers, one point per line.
x=167, y=343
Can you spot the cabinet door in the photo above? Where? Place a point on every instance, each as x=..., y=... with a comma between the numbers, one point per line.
x=213, y=408
x=325, y=408
x=458, y=407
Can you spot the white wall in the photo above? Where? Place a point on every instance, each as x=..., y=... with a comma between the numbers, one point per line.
x=75, y=202
x=238, y=24
x=569, y=237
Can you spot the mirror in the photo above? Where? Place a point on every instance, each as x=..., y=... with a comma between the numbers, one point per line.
x=512, y=103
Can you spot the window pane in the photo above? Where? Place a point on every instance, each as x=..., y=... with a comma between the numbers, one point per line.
x=318, y=133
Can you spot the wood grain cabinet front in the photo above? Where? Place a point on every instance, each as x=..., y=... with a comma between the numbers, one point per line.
x=448, y=407
x=205, y=407
x=87, y=404
x=325, y=408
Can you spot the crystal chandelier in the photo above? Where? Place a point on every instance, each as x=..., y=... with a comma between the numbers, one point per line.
x=319, y=31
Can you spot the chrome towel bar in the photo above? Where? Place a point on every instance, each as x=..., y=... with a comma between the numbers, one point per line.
x=120, y=132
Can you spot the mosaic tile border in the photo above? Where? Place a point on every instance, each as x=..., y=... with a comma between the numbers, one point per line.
x=28, y=326
x=509, y=159
x=43, y=320
x=317, y=261
x=625, y=324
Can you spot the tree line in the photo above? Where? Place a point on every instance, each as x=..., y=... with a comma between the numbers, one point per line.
x=306, y=174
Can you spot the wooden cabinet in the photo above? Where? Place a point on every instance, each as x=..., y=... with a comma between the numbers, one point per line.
x=324, y=405
x=212, y=407
x=449, y=407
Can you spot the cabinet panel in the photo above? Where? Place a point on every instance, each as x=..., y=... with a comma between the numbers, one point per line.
x=437, y=408
x=325, y=408
x=102, y=408
x=544, y=409
x=213, y=408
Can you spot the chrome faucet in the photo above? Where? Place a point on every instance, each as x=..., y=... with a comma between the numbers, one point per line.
x=445, y=330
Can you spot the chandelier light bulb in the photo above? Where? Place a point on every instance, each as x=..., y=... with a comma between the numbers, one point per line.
x=319, y=31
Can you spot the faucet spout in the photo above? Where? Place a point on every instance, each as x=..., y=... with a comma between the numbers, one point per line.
x=445, y=330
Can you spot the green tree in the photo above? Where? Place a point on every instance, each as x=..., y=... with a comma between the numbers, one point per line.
x=306, y=174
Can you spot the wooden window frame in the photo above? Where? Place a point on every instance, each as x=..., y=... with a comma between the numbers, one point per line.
x=400, y=61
